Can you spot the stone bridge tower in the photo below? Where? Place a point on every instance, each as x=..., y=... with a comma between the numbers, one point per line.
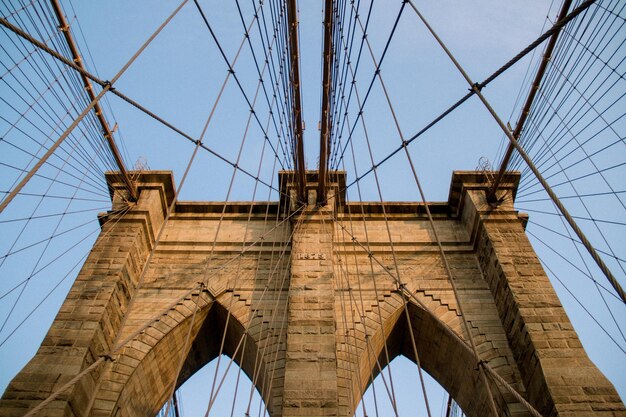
x=313, y=309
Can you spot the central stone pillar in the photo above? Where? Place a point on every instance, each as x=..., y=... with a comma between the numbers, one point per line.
x=311, y=362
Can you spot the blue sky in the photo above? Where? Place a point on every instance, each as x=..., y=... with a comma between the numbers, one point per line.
x=178, y=77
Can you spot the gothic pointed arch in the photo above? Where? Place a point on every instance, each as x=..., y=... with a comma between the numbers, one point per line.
x=442, y=349
x=169, y=352
x=443, y=352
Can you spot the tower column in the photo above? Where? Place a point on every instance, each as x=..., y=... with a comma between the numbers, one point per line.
x=89, y=320
x=311, y=362
x=559, y=377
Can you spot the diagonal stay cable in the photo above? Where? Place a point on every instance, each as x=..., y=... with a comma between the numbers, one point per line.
x=476, y=87
x=379, y=318
x=575, y=217
x=572, y=109
x=573, y=152
x=575, y=298
x=371, y=84
x=232, y=71
x=215, y=389
x=230, y=187
x=390, y=390
x=120, y=214
x=95, y=200
x=572, y=264
x=40, y=202
x=618, y=259
x=72, y=229
x=387, y=227
x=557, y=26
x=75, y=164
x=340, y=126
x=347, y=64
x=108, y=86
x=273, y=266
x=565, y=197
x=48, y=215
x=260, y=74
x=39, y=175
x=582, y=202
x=580, y=177
x=129, y=100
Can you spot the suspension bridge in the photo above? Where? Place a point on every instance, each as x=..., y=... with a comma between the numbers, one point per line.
x=322, y=256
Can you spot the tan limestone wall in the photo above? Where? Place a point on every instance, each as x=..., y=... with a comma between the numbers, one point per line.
x=312, y=311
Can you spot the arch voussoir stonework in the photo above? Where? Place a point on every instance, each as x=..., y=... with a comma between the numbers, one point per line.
x=312, y=305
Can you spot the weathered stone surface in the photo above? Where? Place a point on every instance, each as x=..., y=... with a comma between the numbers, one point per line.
x=311, y=306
